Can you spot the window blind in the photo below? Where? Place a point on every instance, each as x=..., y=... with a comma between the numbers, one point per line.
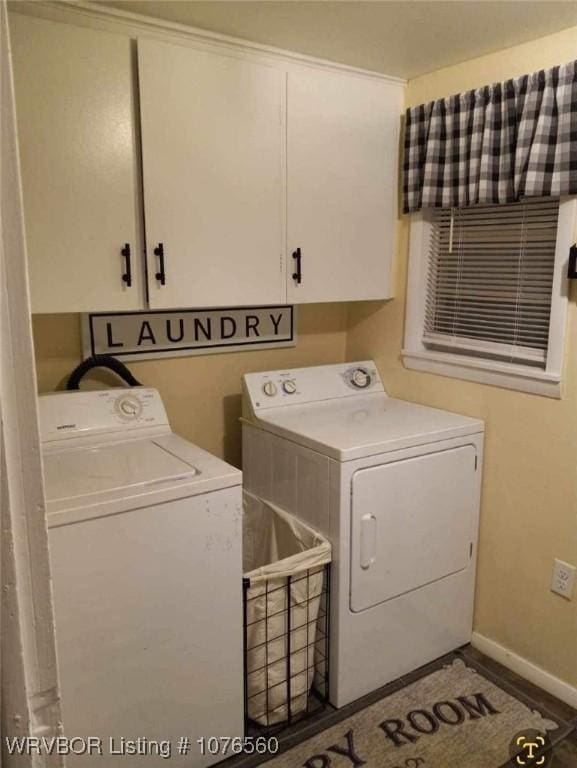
x=490, y=278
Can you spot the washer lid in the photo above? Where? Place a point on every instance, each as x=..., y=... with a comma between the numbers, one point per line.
x=94, y=480
x=101, y=468
x=352, y=428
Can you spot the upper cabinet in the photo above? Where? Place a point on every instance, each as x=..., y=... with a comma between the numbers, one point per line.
x=199, y=174
x=342, y=145
x=213, y=161
x=75, y=97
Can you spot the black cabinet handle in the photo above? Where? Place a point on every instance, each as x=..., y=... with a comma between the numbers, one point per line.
x=161, y=274
x=297, y=274
x=127, y=276
x=572, y=268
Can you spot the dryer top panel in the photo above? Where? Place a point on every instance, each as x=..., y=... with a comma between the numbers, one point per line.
x=366, y=425
x=290, y=387
x=344, y=412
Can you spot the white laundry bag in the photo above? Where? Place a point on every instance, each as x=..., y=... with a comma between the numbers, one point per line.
x=283, y=561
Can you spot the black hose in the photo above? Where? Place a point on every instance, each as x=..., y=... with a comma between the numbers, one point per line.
x=100, y=361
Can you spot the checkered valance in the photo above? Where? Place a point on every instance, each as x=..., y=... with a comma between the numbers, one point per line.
x=494, y=144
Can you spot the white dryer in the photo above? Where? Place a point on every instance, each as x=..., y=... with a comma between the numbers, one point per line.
x=145, y=546
x=396, y=488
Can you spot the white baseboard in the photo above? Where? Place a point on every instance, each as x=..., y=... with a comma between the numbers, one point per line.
x=526, y=669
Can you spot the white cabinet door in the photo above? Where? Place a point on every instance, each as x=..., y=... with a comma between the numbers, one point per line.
x=76, y=121
x=213, y=157
x=413, y=523
x=342, y=135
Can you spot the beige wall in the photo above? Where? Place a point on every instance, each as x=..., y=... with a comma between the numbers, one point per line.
x=201, y=394
x=529, y=509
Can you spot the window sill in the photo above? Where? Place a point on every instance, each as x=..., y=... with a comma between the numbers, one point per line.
x=498, y=374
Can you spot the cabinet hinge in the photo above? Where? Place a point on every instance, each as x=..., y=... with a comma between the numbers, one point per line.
x=476, y=462
x=470, y=550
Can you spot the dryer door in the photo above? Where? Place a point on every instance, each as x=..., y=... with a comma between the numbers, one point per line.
x=413, y=522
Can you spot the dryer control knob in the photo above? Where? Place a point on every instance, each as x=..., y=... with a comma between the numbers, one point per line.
x=269, y=388
x=361, y=378
x=289, y=386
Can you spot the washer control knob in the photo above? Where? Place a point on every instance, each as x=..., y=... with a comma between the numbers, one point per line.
x=289, y=386
x=269, y=388
x=128, y=407
x=361, y=378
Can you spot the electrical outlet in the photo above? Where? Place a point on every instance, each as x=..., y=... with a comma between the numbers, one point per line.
x=563, y=579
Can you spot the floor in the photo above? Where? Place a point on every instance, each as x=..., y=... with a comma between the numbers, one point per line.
x=565, y=753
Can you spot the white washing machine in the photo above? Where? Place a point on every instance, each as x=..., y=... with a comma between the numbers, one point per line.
x=145, y=543
x=396, y=488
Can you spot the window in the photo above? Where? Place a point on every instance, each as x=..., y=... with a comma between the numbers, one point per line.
x=487, y=292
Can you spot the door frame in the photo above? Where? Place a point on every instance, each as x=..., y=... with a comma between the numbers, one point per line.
x=30, y=695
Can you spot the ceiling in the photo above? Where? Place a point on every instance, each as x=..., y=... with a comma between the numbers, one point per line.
x=404, y=39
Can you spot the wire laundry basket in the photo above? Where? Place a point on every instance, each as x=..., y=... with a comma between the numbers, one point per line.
x=286, y=656
x=286, y=603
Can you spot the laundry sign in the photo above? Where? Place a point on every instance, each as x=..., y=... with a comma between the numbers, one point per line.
x=172, y=333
